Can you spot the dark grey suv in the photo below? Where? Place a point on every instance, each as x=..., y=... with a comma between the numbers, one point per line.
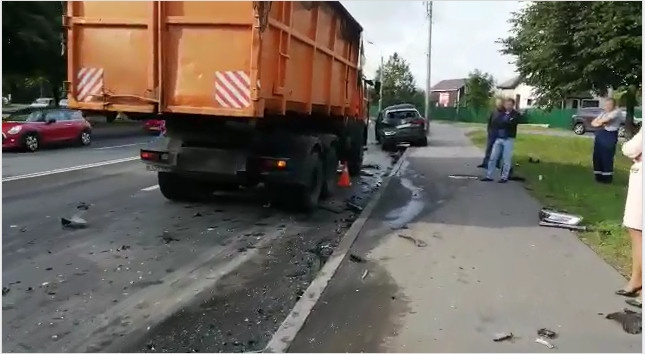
x=400, y=123
x=581, y=121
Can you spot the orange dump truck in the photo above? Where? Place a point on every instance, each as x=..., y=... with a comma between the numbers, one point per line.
x=251, y=92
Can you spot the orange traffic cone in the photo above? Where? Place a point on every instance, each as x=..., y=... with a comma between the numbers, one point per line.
x=344, y=180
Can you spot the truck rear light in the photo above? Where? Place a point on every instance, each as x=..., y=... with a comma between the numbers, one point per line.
x=274, y=164
x=150, y=156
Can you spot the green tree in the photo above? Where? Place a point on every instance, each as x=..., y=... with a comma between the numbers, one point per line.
x=564, y=47
x=32, y=44
x=398, y=81
x=479, y=90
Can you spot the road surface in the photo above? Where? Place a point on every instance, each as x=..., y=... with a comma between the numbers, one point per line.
x=148, y=274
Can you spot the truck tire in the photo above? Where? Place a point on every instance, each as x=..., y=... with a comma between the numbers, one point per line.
x=307, y=196
x=178, y=188
x=355, y=158
x=330, y=176
x=302, y=197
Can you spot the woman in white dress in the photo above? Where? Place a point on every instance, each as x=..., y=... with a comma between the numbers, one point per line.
x=633, y=218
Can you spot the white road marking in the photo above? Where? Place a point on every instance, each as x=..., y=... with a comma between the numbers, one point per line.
x=118, y=146
x=68, y=169
x=151, y=188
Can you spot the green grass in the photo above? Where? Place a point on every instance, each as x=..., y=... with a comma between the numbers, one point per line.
x=567, y=184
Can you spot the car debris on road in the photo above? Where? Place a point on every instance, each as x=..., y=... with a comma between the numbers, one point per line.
x=499, y=337
x=417, y=242
x=631, y=321
x=553, y=218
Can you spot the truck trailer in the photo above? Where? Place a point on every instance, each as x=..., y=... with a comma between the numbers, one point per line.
x=251, y=92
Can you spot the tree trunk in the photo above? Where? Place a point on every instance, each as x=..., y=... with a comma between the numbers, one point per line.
x=630, y=104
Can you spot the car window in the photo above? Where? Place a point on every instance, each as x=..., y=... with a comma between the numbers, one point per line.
x=396, y=115
x=26, y=116
x=55, y=114
x=72, y=115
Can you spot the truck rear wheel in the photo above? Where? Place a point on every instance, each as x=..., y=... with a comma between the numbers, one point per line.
x=355, y=158
x=178, y=188
x=330, y=176
x=304, y=196
x=309, y=194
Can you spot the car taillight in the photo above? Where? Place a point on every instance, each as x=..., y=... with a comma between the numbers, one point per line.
x=420, y=122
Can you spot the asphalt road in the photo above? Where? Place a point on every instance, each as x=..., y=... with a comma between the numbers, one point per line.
x=148, y=274
x=16, y=164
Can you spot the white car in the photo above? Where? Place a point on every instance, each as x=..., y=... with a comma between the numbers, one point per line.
x=43, y=102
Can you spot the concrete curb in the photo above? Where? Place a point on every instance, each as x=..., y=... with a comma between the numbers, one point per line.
x=290, y=327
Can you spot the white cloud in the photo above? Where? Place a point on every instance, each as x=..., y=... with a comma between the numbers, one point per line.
x=463, y=36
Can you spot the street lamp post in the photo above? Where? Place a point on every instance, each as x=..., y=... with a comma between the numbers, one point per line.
x=380, y=78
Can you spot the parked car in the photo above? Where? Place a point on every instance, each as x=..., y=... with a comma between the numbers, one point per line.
x=154, y=126
x=581, y=121
x=43, y=102
x=400, y=123
x=30, y=129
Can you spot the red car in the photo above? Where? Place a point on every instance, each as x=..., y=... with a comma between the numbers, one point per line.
x=156, y=126
x=31, y=129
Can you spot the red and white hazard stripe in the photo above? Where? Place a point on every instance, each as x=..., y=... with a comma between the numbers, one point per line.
x=233, y=89
x=90, y=83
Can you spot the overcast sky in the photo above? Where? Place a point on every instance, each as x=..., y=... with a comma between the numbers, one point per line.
x=463, y=36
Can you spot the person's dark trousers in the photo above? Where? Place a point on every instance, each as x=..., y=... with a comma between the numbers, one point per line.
x=604, y=149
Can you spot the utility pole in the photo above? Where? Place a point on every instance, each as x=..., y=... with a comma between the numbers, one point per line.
x=380, y=91
x=428, y=82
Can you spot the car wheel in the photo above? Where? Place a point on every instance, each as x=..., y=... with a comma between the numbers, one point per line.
x=621, y=131
x=579, y=129
x=31, y=142
x=85, y=138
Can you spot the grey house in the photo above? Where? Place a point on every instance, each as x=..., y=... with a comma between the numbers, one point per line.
x=448, y=93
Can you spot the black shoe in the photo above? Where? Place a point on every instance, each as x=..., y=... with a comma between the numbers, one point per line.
x=628, y=293
x=486, y=179
x=481, y=166
x=503, y=180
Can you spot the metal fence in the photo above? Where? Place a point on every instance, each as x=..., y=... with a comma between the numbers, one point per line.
x=557, y=118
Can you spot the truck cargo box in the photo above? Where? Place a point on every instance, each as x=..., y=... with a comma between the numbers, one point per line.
x=214, y=58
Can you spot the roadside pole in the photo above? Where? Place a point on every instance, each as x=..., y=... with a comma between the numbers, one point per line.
x=428, y=82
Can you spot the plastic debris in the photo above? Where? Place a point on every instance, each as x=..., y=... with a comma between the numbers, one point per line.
x=364, y=274
x=532, y=160
x=83, y=206
x=563, y=226
x=544, y=342
x=547, y=333
x=354, y=207
x=356, y=259
x=166, y=238
x=75, y=222
x=631, y=321
x=463, y=177
x=559, y=217
x=197, y=215
x=417, y=242
x=499, y=337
